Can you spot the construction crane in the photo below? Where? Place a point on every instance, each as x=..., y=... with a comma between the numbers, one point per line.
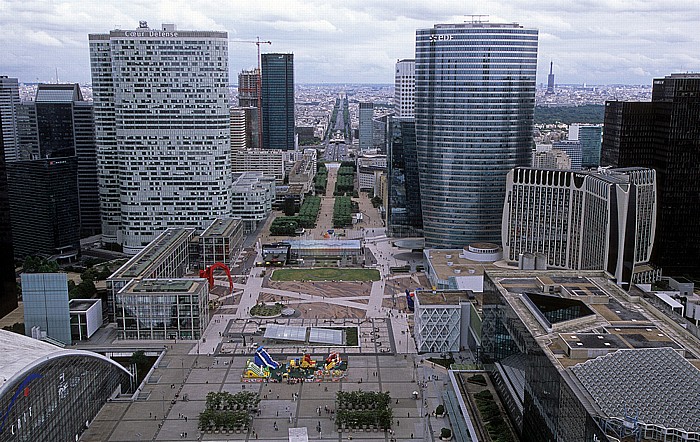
x=258, y=42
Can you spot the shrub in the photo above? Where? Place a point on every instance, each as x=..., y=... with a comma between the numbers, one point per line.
x=284, y=225
x=477, y=379
x=445, y=433
x=440, y=410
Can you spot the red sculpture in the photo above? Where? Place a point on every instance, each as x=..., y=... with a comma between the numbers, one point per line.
x=208, y=274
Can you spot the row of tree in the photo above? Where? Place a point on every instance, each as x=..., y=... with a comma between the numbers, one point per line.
x=358, y=409
x=307, y=217
x=321, y=179
x=342, y=212
x=226, y=411
x=346, y=179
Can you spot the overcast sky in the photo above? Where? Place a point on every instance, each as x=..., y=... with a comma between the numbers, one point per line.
x=358, y=41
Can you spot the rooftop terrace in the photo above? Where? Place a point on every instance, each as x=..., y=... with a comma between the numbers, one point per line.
x=144, y=263
x=221, y=227
x=182, y=286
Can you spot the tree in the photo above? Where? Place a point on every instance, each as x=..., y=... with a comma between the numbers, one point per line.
x=35, y=264
x=96, y=274
x=140, y=360
x=17, y=327
x=84, y=290
x=289, y=207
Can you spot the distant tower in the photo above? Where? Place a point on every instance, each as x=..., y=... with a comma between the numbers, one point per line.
x=9, y=102
x=404, y=88
x=366, y=115
x=278, y=101
x=550, y=79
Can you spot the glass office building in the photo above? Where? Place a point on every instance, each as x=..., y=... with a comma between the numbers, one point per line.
x=278, y=101
x=474, y=105
x=664, y=135
x=51, y=394
x=45, y=297
x=8, y=295
x=44, y=207
x=574, y=358
x=162, y=309
x=403, y=209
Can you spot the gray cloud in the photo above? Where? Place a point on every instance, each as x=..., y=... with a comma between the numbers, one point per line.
x=592, y=41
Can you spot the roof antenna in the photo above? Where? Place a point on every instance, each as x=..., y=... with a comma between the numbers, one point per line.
x=476, y=18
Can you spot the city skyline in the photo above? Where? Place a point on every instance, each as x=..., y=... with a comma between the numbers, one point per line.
x=597, y=42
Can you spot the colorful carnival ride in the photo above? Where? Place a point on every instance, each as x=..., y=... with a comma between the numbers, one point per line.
x=302, y=369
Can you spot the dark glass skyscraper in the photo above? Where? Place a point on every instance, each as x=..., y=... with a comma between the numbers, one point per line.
x=8, y=294
x=60, y=124
x=664, y=135
x=44, y=207
x=403, y=209
x=475, y=99
x=278, y=101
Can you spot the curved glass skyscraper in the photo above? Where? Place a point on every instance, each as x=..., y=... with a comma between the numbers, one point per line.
x=475, y=99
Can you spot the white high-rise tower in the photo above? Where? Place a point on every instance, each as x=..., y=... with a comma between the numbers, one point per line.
x=162, y=130
x=404, y=88
x=9, y=101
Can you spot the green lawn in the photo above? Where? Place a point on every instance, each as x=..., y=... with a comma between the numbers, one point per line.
x=325, y=275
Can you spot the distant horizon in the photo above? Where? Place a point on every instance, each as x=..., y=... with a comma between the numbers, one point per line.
x=620, y=42
x=539, y=84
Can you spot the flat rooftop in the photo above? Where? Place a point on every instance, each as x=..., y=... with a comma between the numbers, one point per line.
x=81, y=305
x=222, y=228
x=156, y=286
x=448, y=263
x=442, y=297
x=621, y=337
x=613, y=319
x=145, y=262
x=629, y=360
x=308, y=244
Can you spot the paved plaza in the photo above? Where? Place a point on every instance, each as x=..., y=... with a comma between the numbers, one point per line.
x=171, y=406
x=384, y=359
